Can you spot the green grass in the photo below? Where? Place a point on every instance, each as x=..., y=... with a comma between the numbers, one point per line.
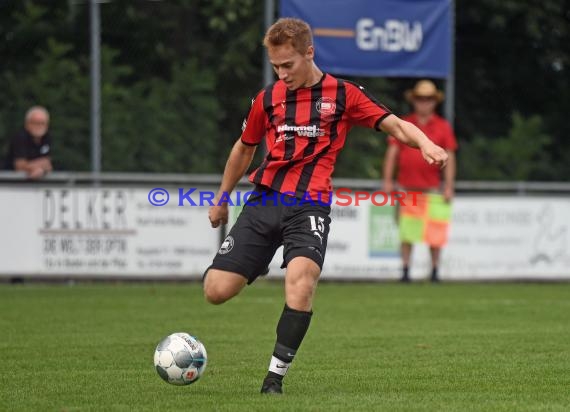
x=492, y=347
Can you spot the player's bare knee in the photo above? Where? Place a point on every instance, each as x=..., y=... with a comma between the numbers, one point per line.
x=304, y=280
x=220, y=286
x=213, y=292
x=302, y=285
x=300, y=291
x=215, y=299
x=215, y=295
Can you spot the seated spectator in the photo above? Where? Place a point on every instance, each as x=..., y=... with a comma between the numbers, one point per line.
x=29, y=150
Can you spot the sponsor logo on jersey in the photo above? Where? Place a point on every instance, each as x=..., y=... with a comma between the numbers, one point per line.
x=304, y=131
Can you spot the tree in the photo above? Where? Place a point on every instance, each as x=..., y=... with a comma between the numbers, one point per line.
x=514, y=57
x=521, y=155
x=178, y=78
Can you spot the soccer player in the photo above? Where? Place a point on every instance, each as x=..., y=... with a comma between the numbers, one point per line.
x=305, y=117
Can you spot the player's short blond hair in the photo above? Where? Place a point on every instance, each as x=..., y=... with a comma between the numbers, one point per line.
x=289, y=31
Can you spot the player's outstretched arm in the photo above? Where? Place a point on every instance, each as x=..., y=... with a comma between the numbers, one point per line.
x=409, y=134
x=238, y=161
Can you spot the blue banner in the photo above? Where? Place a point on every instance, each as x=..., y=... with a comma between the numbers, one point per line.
x=392, y=38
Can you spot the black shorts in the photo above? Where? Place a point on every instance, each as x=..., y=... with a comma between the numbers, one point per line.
x=268, y=220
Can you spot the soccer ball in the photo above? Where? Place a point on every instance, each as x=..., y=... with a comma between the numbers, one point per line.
x=180, y=359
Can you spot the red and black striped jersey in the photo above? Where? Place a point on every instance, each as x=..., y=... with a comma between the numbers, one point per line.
x=304, y=131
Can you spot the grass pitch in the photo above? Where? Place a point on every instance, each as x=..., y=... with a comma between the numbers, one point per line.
x=499, y=347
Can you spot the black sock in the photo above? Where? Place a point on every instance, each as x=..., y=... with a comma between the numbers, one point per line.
x=434, y=272
x=291, y=330
x=405, y=272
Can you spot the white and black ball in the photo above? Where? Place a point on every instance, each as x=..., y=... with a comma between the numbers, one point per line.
x=180, y=359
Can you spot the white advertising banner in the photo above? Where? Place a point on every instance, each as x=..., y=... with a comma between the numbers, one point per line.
x=509, y=238
x=117, y=231
x=101, y=232
x=491, y=238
